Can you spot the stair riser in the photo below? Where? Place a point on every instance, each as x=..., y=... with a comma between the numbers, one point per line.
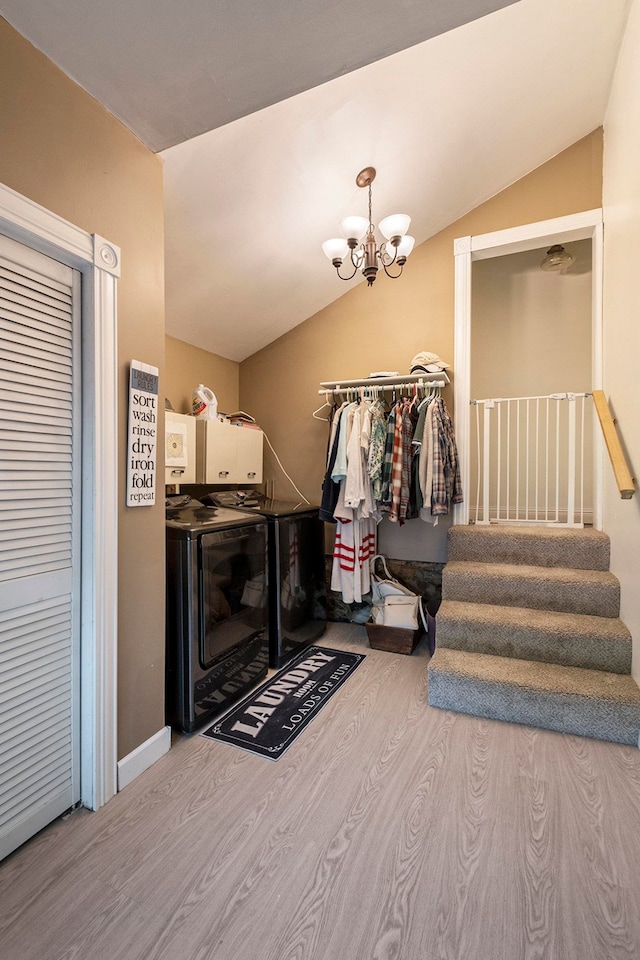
x=578, y=551
x=564, y=713
x=598, y=599
x=568, y=650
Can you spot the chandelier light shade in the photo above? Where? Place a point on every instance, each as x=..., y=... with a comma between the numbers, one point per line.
x=557, y=260
x=336, y=249
x=354, y=227
x=394, y=226
x=358, y=248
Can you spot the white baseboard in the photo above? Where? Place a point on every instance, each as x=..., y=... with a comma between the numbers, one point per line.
x=143, y=757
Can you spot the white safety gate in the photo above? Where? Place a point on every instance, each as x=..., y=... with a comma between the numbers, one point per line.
x=39, y=541
x=533, y=460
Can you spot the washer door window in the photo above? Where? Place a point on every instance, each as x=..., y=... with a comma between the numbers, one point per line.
x=233, y=589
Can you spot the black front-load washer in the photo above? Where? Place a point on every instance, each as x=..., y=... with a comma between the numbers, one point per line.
x=217, y=643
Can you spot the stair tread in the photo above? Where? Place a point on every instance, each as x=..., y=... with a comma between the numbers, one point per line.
x=538, y=677
x=528, y=572
x=547, y=621
x=564, y=589
x=583, y=548
x=532, y=532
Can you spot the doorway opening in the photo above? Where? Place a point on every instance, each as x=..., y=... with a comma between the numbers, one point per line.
x=556, y=334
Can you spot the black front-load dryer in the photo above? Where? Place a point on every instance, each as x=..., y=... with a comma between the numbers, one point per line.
x=297, y=579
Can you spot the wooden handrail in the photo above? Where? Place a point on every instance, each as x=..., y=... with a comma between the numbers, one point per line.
x=619, y=463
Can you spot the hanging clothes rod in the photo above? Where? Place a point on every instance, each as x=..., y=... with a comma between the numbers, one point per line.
x=422, y=380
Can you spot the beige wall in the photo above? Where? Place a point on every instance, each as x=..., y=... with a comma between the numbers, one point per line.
x=531, y=330
x=187, y=366
x=383, y=327
x=621, y=193
x=61, y=149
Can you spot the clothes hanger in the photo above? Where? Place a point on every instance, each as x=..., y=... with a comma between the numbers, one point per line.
x=325, y=404
x=430, y=391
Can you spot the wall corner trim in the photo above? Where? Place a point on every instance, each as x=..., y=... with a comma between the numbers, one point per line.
x=143, y=757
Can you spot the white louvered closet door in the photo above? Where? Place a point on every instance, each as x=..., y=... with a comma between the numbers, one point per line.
x=39, y=537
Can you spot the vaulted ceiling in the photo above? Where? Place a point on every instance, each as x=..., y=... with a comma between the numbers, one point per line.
x=265, y=111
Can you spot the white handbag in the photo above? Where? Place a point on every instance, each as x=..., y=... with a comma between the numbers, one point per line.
x=397, y=611
x=394, y=605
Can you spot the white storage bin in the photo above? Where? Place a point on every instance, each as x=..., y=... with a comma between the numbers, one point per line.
x=228, y=454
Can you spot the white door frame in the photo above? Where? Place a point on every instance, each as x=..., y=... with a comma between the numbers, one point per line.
x=99, y=262
x=579, y=226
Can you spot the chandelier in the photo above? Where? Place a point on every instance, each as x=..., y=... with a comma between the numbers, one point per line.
x=358, y=247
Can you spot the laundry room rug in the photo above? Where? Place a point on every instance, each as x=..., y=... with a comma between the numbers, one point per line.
x=269, y=719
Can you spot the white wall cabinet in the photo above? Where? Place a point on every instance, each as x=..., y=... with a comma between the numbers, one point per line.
x=227, y=454
x=180, y=448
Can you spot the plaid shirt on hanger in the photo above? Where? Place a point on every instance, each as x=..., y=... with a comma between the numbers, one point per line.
x=387, y=467
x=395, y=485
x=447, y=485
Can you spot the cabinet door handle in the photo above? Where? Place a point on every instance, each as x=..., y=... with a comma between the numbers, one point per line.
x=251, y=475
x=223, y=473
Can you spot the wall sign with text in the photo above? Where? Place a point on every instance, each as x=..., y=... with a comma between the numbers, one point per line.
x=143, y=430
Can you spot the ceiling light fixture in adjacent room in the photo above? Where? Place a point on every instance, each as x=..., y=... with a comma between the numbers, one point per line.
x=557, y=260
x=358, y=247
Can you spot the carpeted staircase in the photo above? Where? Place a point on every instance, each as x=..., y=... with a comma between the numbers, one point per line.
x=528, y=632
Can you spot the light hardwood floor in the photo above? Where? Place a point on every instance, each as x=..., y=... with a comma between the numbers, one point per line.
x=389, y=831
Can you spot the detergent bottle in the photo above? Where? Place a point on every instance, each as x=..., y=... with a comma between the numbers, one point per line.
x=204, y=403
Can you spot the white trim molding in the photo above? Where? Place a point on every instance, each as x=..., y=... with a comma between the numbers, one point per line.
x=106, y=256
x=580, y=226
x=99, y=262
x=143, y=757
x=462, y=367
x=25, y=217
x=529, y=236
x=100, y=546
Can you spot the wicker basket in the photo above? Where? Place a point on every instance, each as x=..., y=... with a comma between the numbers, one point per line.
x=392, y=639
